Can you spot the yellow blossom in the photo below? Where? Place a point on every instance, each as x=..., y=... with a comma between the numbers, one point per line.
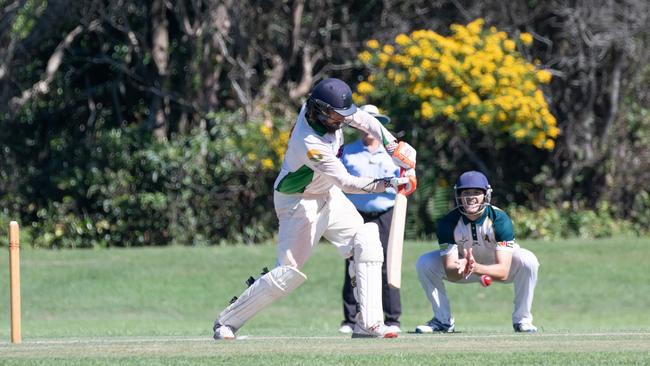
x=373, y=43
x=414, y=51
x=402, y=39
x=365, y=57
x=549, y=144
x=519, y=133
x=266, y=131
x=476, y=26
x=474, y=72
x=267, y=163
x=544, y=76
x=384, y=58
x=365, y=87
x=526, y=38
x=426, y=110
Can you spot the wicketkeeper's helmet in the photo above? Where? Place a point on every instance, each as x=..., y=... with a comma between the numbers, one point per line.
x=476, y=180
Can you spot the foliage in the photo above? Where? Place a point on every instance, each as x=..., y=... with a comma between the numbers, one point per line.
x=157, y=74
x=566, y=222
x=210, y=186
x=474, y=76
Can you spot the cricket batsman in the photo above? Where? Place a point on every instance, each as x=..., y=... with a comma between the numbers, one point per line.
x=309, y=203
x=476, y=240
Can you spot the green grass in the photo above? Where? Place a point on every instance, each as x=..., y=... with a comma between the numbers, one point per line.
x=156, y=306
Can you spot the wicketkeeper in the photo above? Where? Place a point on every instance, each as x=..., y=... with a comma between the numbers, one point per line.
x=476, y=239
x=310, y=204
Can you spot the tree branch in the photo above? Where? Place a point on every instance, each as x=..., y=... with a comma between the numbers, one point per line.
x=55, y=60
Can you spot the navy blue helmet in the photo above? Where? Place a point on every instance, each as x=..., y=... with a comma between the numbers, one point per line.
x=476, y=180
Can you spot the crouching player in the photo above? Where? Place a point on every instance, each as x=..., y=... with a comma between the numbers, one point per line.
x=476, y=239
x=310, y=204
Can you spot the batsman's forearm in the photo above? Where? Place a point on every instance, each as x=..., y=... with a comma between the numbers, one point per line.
x=367, y=123
x=352, y=184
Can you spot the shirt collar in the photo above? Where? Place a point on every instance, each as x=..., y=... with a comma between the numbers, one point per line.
x=478, y=221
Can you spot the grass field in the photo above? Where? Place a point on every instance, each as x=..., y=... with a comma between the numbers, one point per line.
x=156, y=307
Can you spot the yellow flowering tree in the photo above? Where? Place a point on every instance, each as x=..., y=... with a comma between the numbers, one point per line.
x=474, y=76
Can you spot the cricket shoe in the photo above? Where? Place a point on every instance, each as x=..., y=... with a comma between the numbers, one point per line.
x=394, y=328
x=434, y=325
x=223, y=332
x=346, y=328
x=524, y=328
x=378, y=331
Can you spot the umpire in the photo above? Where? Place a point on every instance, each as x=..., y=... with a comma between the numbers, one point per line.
x=366, y=157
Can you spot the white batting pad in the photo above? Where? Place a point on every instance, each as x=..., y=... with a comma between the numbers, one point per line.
x=273, y=285
x=368, y=259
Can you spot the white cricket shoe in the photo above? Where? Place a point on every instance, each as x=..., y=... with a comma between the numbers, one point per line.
x=524, y=328
x=223, y=332
x=346, y=328
x=378, y=331
x=434, y=325
x=393, y=329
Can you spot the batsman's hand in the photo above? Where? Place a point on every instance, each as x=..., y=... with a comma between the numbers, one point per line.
x=403, y=154
x=412, y=184
x=408, y=180
x=395, y=182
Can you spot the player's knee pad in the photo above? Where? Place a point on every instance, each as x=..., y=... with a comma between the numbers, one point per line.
x=367, y=245
x=273, y=285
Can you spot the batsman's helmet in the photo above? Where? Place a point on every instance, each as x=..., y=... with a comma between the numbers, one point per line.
x=327, y=96
x=476, y=180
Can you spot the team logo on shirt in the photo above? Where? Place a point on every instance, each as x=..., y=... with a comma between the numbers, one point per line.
x=505, y=244
x=314, y=155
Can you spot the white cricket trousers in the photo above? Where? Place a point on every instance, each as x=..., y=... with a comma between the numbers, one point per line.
x=304, y=220
x=523, y=272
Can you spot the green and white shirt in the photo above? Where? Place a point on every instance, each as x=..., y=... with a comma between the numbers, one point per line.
x=311, y=163
x=492, y=232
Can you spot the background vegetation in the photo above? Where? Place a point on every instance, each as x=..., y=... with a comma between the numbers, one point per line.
x=149, y=123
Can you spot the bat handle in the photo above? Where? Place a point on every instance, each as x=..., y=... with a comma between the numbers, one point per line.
x=402, y=189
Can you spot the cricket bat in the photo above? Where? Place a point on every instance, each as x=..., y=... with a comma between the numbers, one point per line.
x=396, y=240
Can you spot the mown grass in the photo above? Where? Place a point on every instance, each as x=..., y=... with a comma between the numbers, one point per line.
x=157, y=305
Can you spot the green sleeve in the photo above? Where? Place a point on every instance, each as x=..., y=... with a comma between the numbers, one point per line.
x=503, y=229
x=445, y=230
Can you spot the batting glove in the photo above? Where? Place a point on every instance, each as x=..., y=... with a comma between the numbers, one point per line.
x=410, y=183
x=403, y=154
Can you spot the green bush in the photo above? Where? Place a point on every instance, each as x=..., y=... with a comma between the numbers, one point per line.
x=565, y=222
x=208, y=187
